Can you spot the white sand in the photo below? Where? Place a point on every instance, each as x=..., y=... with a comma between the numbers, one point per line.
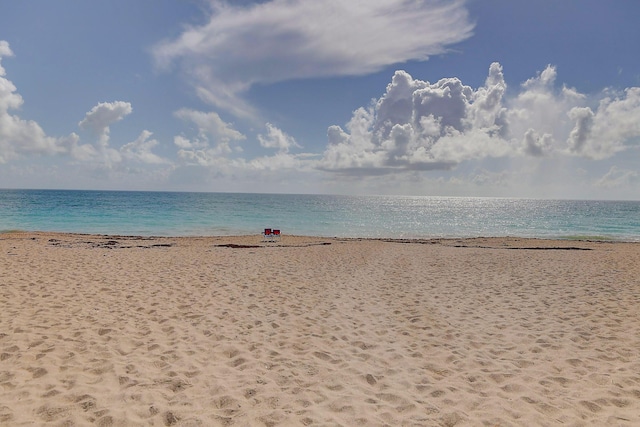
x=119, y=331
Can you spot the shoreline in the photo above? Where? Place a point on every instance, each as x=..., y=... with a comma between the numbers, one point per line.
x=187, y=331
x=290, y=239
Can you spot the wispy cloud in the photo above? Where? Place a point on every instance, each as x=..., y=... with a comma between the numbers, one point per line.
x=281, y=40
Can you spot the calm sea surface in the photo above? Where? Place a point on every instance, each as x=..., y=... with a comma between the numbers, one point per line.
x=216, y=214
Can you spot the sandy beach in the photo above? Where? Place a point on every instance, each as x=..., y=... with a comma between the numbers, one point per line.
x=222, y=331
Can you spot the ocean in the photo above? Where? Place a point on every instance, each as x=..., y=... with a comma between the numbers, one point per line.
x=223, y=214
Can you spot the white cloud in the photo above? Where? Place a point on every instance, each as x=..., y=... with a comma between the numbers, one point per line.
x=280, y=40
x=99, y=119
x=417, y=125
x=276, y=138
x=612, y=128
x=583, y=118
x=278, y=162
x=81, y=152
x=105, y=114
x=213, y=147
x=536, y=145
x=21, y=137
x=182, y=142
x=214, y=138
x=535, y=138
x=25, y=138
x=473, y=144
x=354, y=149
x=140, y=149
x=18, y=136
x=5, y=50
x=210, y=125
x=618, y=177
x=538, y=106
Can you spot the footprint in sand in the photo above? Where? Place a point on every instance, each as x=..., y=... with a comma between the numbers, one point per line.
x=37, y=372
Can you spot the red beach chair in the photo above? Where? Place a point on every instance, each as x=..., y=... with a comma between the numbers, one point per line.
x=267, y=236
x=276, y=234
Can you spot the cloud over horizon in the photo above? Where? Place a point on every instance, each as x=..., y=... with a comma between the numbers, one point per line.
x=279, y=40
x=415, y=131
x=417, y=125
x=21, y=138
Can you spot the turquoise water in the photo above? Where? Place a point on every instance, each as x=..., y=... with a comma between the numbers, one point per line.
x=216, y=214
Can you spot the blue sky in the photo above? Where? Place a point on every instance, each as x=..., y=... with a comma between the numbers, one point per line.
x=461, y=98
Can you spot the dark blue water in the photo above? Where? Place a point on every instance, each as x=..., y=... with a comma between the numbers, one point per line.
x=215, y=214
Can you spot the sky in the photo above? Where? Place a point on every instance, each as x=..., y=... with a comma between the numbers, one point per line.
x=495, y=98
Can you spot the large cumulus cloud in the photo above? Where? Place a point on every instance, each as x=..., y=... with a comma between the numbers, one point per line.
x=612, y=127
x=418, y=125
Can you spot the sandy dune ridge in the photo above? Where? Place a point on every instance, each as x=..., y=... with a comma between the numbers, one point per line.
x=128, y=331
